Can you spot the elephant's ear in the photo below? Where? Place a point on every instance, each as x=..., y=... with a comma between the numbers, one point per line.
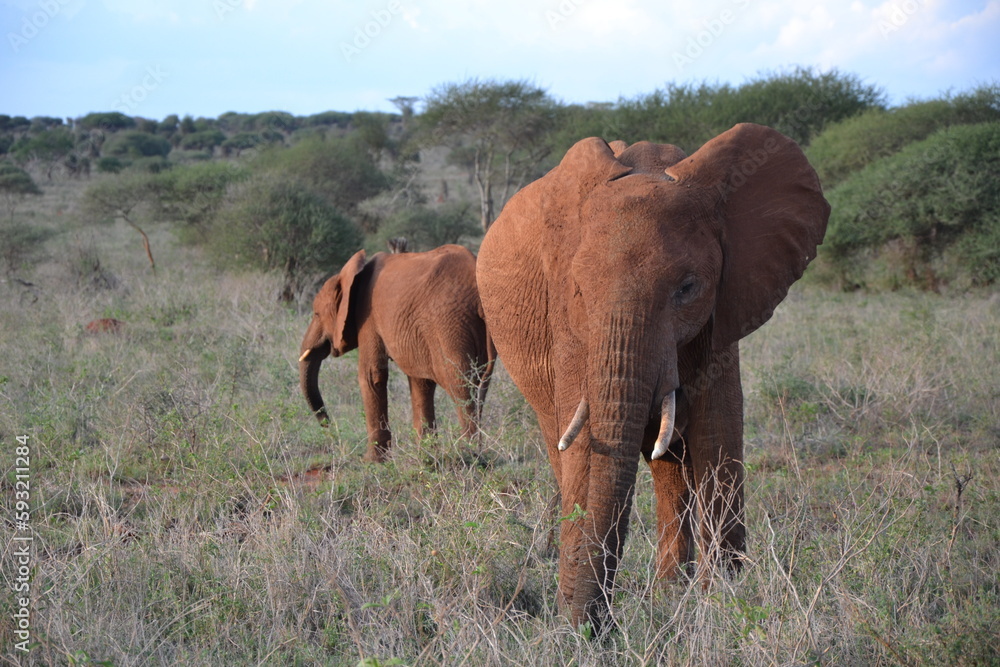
x=617, y=146
x=774, y=216
x=588, y=162
x=650, y=158
x=343, y=337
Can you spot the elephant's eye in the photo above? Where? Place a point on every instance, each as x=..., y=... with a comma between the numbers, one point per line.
x=686, y=291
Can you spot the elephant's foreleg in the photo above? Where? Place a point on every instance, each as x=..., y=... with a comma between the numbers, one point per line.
x=422, y=400
x=374, y=394
x=715, y=443
x=720, y=506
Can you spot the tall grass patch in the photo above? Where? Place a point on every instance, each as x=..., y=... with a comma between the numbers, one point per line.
x=187, y=508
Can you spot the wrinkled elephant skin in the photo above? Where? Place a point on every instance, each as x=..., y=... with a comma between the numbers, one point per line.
x=616, y=289
x=420, y=309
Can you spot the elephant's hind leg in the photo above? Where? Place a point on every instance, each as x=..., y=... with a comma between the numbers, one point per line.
x=460, y=389
x=468, y=410
x=422, y=400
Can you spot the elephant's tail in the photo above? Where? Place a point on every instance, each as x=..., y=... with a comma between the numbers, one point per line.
x=491, y=359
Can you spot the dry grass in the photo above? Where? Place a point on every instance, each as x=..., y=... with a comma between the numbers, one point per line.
x=188, y=510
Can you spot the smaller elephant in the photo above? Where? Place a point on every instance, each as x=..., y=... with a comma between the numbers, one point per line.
x=420, y=309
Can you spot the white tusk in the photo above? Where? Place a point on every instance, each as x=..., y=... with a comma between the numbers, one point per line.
x=668, y=410
x=305, y=355
x=573, y=430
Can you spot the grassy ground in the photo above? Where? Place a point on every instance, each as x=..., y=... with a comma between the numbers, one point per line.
x=188, y=510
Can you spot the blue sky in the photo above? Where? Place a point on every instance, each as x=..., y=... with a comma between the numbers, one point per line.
x=205, y=57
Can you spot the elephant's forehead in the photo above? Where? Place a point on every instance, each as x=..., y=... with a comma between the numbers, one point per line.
x=664, y=214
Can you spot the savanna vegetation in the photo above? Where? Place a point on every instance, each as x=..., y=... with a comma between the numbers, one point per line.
x=186, y=508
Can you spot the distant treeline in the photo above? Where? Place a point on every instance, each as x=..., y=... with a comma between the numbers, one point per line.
x=914, y=193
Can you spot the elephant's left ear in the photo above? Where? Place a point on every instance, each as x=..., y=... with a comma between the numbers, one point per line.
x=774, y=216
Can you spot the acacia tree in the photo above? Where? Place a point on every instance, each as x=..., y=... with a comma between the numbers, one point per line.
x=121, y=197
x=48, y=148
x=15, y=185
x=498, y=128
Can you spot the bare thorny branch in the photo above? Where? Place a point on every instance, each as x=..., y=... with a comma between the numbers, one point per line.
x=961, y=481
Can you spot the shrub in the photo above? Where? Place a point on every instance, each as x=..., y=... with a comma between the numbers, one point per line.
x=135, y=144
x=109, y=121
x=856, y=142
x=21, y=245
x=15, y=185
x=109, y=165
x=340, y=170
x=932, y=211
x=124, y=196
x=49, y=147
x=799, y=103
x=192, y=194
x=427, y=228
x=204, y=140
x=153, y=164
x=277, y=223
x=246, y=140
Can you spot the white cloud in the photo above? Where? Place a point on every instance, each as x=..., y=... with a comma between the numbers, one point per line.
x=989, y=17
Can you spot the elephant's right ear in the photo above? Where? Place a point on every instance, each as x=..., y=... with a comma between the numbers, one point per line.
x=774, y=216
x=343, y=337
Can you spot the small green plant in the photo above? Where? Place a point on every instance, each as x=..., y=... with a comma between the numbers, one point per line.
x=379, y=662
x=575, y=515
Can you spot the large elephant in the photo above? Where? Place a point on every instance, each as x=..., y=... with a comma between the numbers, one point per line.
x=421, y=310
x=616, y=289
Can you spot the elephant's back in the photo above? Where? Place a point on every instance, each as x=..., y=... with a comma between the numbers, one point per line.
x=433, y=319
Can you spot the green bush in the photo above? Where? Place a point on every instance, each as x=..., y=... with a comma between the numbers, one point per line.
x=15, y=185
x=192, y=194
x=21, y=244
x=110, y=165
x=856, y=142
x=153, y=164
x=108, y=121
x=425, y=228
x=799, y=103
x=929, y=213
x=341, y=170
x=242, y=141
x=204, y=140
x=277, y=223
x=135, y=144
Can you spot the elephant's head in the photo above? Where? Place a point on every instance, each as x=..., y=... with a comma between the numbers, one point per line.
x=333, y=330
x=614, y=262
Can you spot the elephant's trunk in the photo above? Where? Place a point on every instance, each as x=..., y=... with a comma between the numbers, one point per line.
x=622, y=382
x=314, y=350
